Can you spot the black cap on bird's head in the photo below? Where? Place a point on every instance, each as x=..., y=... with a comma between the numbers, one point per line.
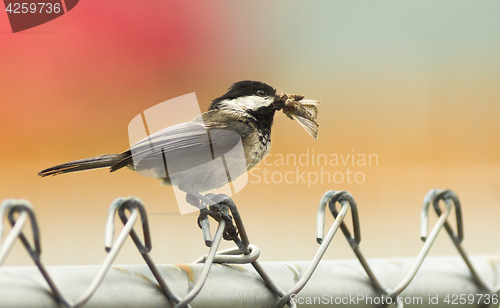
x=260, y=101
x=243, y=89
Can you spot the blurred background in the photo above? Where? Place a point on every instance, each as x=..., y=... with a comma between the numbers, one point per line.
x=414, y=83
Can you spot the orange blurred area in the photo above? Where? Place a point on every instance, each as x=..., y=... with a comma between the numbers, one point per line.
x=414, y=85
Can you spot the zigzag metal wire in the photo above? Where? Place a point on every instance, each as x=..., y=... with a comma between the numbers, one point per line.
x=244, y=252
x=432, y=197
x=134, y=205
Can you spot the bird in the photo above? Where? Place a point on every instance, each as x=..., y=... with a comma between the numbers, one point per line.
x=216, y=147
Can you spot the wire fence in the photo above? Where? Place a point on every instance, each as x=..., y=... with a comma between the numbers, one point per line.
x=244, y=281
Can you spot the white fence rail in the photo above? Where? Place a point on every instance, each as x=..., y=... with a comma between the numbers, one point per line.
x=235, y=277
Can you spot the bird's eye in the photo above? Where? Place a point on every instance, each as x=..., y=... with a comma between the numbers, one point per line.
x=261, y=93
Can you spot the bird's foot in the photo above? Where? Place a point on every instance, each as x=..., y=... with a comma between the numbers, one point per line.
x=218, y=211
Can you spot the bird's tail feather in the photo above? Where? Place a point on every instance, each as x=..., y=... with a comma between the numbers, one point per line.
x=101, y=161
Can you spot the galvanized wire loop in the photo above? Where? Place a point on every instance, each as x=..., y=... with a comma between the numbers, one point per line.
x=428, y=240
x=36, y=249
x=16, y=230
x=451, y=195
x=224, y=199
x=342, y=197
x=331, y=198
x=330, y=195
x=10, y=207
x=434, y=196
x=131, y=204
x=119, y=205
x=233, y=255
x=23, y=207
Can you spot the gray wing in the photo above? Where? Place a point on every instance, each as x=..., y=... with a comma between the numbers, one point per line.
x=181, y=147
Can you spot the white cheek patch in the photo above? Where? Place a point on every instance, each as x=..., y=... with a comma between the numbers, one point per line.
x=248, y=102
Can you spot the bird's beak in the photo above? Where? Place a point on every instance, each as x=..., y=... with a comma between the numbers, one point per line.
x=303, y=110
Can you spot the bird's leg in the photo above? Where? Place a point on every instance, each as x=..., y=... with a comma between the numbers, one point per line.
x=193, y=199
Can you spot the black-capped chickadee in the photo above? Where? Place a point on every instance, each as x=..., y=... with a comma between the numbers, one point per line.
x=216, y=147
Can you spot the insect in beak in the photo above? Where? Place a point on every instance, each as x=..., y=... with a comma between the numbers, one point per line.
x=303, y=110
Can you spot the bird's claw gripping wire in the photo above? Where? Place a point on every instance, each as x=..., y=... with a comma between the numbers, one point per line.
x=218, y=211
x=238, y=235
